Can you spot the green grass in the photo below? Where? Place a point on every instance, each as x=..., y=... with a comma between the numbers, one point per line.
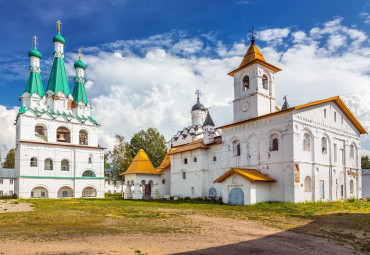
x=344, y=222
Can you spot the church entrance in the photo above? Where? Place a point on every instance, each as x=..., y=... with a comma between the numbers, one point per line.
x=236, y=197
x=147, y=190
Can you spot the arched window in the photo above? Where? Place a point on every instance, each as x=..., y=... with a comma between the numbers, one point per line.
x=39, y=192
x=351, y=186
x=274, y=142
x=195, y=159
x=63, y=135
x=184, y=175
x=41, y=133
x=48, y=164
x=88, y=173
x=90, y=160
x=245, y=82
x=307, y=184
x=83, y=137
x=236, y=148
x=89, y=192
x=65, y=165
x=65, y=192
x=324, y=145
x=163, y=181
x=352, y=151
x=306, y=142
x=265, y=82
x=33, y=162
x=212, y=192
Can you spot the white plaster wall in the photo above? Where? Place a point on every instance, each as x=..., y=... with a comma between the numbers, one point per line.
x=333, y=170
x=109, y=187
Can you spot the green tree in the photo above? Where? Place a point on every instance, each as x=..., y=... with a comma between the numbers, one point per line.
x=365, y=162
x=9, y=159
x=153, y=143
x=118, y=160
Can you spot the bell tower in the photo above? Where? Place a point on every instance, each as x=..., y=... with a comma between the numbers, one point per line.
x=254, y=85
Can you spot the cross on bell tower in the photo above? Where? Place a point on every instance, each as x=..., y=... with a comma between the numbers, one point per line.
x=253, y=33
x=198, y=93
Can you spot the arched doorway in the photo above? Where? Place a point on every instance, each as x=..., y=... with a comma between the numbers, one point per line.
x=212, y=193
x=39, y=192
x=65, y=192
x=89, y=192
x=148, y=190
x=236, y=197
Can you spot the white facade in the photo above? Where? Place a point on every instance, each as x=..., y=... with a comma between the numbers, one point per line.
x=57, y=151
x=311, y=151
x=7, y=181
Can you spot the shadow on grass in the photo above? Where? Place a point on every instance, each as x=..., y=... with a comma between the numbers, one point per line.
x=303, y=240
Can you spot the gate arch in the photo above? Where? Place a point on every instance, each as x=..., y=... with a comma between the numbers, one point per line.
x=236, y=197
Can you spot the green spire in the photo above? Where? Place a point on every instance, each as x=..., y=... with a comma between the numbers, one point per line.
x=34, y=84
x=208, y=121
x=58, y=77
x=285, y=105
x=79, y=93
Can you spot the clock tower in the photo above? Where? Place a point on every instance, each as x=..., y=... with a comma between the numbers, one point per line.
x=254, y=85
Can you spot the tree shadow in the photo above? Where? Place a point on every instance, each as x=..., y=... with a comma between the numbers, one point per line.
x=340, y=233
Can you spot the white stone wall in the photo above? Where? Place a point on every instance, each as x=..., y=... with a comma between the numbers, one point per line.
x=109, y=187
x=333, y=169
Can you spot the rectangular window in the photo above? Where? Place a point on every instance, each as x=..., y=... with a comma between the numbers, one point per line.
x=341, y=190
x=1, y=181
x=11, y=181
x=195, y=159
x=214, y=159
x=335, y=116
x=335, y=153
x=185, y=161
x=321, y=189
x=324, y=113
x=342, y=154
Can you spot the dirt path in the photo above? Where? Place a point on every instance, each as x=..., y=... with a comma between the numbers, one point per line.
x=214, y=236
x=7, y=206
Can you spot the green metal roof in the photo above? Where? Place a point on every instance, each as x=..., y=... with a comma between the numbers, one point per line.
x=56, y=114
x=59, y=38
x=58, y=80
x=34, y=84
x=198, y=106
x=208, y=121
x=79, y=63
x=35, y=53
x=79, y=93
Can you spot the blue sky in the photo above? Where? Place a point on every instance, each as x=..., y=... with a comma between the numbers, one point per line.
x=199, y=41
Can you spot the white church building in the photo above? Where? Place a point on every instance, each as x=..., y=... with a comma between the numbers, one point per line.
x=57, y=152
x=303, y=153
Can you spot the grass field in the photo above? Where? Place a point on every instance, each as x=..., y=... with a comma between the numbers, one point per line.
x=342, y=222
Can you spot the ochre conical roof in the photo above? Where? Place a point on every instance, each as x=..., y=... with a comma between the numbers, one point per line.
x=141, y=165
x=252, y=56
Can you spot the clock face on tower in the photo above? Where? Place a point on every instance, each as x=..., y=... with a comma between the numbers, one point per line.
x=245, y=106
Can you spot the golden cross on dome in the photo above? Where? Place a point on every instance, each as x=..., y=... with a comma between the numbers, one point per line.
x=59, y=23
x=253, y=33
x=79, y=53
x=35, y=40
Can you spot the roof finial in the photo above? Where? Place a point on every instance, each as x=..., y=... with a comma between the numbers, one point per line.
x=253, y=33
x=197, y=92
x=35, y=40
x=79, y=53
x=285, y=105
x=59, y=23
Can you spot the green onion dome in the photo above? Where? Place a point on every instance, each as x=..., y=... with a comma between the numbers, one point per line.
x=35, y=53
x=80, y=64
x=59, y=38
x=198, y=106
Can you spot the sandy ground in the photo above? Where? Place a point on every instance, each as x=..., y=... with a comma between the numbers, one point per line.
x=214, y=236
x=7, y=206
